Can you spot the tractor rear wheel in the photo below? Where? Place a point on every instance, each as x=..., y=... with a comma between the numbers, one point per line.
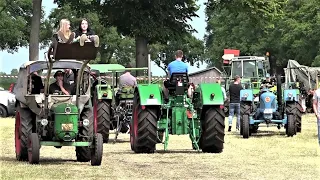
x=97, y=151
x=246, y=126
x=291, y=125
x=144, y=132
x=213, y=130
x=103, y=119
x=85, y=132
x=33, y=148
x=23, y=128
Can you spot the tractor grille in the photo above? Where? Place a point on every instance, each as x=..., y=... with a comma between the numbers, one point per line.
x=128, y=106
x=263, y=104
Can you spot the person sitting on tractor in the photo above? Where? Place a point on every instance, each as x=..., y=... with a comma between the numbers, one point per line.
x=37, y=85
x=85, y=34
x=59, y=86
x=126, y=80
x=176, y=66
x=267, y=82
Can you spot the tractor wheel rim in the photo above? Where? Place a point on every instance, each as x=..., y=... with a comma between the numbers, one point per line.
x=17, y=134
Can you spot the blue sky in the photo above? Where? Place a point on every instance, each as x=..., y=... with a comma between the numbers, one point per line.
x=10, y=61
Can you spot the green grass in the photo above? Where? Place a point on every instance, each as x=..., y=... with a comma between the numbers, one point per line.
x=268, y=155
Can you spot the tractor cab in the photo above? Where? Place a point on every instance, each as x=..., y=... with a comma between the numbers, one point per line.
x=178, y=84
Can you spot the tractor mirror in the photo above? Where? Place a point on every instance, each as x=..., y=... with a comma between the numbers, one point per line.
x=75, y=51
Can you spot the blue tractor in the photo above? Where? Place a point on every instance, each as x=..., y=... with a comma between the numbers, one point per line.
x=270, y=109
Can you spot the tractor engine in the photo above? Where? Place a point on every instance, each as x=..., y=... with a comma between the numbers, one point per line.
x=267, y=106
x=63, y=122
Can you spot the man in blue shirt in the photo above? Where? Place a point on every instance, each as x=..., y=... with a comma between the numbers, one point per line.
x=178, y=66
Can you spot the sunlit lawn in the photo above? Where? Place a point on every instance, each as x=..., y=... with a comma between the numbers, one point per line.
x=268, y=155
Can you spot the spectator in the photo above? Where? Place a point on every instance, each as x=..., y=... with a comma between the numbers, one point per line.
x=234, y=106
x=316, y=109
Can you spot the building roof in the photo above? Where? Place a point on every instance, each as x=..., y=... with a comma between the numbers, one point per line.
x=205, y=70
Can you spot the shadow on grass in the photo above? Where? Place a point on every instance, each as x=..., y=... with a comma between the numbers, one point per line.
x=161, y=151
x=118, y=141
x=43, y=161
x=262, y=134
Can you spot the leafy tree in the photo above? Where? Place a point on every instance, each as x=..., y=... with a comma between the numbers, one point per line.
x=15, y=22
x=14, y=72
x=192, y=48
x=147, y=22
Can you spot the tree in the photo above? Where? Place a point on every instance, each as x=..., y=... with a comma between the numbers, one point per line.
x=192, y=48
x=35, y=30
x=15, y=22
x=150, y=21
x=14, y=72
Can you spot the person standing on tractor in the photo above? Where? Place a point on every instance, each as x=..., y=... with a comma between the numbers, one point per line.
x=85, y=33
x=234, y=106
x=316, y=109
x=59, y=86
x=176, y=66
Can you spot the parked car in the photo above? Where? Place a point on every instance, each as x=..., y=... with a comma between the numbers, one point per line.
x=7, y=103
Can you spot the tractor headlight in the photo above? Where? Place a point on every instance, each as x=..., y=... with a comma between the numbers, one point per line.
x=290, y=95
x=245, y=95
x=44, y=122
x=85, y=122
x=67, y=110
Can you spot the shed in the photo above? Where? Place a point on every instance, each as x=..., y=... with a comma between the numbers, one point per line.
x=205, y=76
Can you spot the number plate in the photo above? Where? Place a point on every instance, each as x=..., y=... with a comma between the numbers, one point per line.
x=152, y=101
x=67, y=127
x=268, y=111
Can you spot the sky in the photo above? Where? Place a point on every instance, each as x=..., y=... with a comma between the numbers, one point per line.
x=10, y=61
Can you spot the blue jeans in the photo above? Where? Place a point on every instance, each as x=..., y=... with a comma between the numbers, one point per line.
x=234, y=108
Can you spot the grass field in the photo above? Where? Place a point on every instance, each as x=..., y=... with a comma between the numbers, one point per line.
x=268, y=155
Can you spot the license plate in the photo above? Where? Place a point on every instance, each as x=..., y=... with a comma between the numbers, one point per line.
x=67, y=127
x=268, y=111
x=152, y=101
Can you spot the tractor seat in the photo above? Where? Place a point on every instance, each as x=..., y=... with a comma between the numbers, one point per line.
x=173, y=85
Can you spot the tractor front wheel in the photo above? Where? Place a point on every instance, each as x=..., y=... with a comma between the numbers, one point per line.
x=96, y=152
x=103, y=119
x=245, y=126
x=33, y=149
x=291, y=125
x=213, y=130
x=85, y=132
x=144, y=132
x=23, y=128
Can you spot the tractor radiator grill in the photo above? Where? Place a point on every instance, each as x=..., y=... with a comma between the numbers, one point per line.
x=263, y=104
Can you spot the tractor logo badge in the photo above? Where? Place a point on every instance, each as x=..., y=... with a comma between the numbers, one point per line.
x=267, y=99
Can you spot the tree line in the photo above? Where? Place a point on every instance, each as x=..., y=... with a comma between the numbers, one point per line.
x=130, y=30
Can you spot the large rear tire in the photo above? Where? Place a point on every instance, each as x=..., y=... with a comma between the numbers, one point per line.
x=144, y=134
x=23, y=128
x=213, y=130
x=103, y=119
x=83, y=153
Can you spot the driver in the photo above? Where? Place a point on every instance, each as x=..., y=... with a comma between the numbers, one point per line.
x=268, y=81
x=59, y=86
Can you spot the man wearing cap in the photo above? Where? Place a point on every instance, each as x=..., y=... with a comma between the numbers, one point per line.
x=59, y=86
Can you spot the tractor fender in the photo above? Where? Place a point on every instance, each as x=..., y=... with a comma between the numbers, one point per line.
x=104, y=91
x=150, y=94
x=246, y=95
x=290, y=95
x=210, y=94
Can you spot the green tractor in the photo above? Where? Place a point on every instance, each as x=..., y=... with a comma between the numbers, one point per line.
x=44, y=119
x=112, y=105
x=155, y=117
x=251, y=69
